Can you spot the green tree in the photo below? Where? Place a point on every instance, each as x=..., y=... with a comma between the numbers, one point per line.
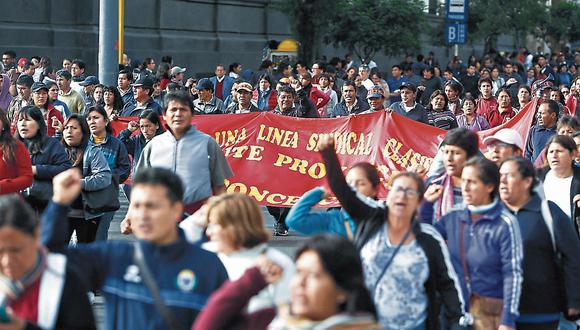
x=367, y=27
x=308, y=21
x=561, y=25
x=488, y=19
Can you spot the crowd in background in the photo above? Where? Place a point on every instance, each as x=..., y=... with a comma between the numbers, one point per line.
x=483, y=239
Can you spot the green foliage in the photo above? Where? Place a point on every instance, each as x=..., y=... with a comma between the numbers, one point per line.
x=563, y=23
x=369, y=26
x=490, y=18
x=308, y=20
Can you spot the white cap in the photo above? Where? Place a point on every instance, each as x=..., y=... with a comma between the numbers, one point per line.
x=175, y=70
x=506, y=135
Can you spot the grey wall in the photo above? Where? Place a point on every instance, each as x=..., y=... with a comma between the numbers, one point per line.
x=197, y=33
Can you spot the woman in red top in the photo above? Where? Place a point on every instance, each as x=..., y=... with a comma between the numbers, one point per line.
x=15, y=164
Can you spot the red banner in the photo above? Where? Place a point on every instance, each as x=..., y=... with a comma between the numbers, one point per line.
x=275, y=160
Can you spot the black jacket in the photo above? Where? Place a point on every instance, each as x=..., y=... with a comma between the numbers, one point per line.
x=542, y=289
x=440, y=286
x=303, y=107
x=340, y=109
x=75, y=311
x=49, y=162
x=574, y=190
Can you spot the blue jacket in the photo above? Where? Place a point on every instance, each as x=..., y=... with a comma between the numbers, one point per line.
x=186, y=275
x=116, y=155
x=537, y=139
x=302, y=219
x=493, y=253
x=227, y=86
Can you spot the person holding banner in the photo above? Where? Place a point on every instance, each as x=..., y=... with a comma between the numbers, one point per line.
x=396, y=248
x=551, y=262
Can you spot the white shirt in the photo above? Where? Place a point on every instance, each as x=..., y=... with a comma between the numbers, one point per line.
x=368, y=84
x=558, y=191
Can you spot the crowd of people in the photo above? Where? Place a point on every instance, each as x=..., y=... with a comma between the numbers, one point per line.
x=483, y=239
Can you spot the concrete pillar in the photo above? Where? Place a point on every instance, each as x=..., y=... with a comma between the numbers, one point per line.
x=108, y=67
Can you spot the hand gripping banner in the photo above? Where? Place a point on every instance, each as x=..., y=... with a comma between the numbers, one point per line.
x=275, y=160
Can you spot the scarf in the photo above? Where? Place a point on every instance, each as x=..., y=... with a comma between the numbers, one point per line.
x=446, y=199
x=482, y=209
x=5, y=97
x=13, y=289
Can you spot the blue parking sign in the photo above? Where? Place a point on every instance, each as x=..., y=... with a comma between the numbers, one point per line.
x=456, y=33
x=457, y=10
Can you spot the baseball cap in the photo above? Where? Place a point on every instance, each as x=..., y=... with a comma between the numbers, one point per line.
x=145, y=81
x=245, y=86
x=506, y=135
x=376, y=91
x=204, y=84
x=175, y=70
x=90, y=80
x=25, y=80
x=65, y=74
x=22, y=61
x=409, y=85
x=38, y=86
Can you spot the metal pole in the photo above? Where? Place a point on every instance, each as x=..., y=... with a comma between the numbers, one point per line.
x=121, y=35
x=456, y=50
x=107, y=31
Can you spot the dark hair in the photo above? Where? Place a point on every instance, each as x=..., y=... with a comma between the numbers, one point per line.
x=526, y=87
x=161, y=177
x=146, y=61
x=436, y=93
x=464, y=139
x=100, y=110
x=487, y=172
x=34, y=144
x=153, y=117
x=346, y=271
x=75, y=154
x=553, y=106
x=503, y=90
x=468, y=97
x=525, y=168
x=10, y=53
x=167, y=59
x=415, y=177
x=80, y=63
x=178, y=96
x=129, y=74
x=6, y=140
x=569, y=121
x=564, y=140
x=482, y=80
x=349, y=83
x=286, y=89
x=117, y=99
x=266, y=77
x=162, y=71
x=265, y=64
x=370, y=171
x=17, y=214
x=430, y=69
x=397, y=66
x=233, y=66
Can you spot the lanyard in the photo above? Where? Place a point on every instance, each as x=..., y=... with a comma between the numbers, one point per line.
x=407, y=233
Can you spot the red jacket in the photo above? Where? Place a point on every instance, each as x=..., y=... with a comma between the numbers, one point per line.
x=484, y=106
x=18, y=175
x=225, y=308
x=50, y=113
x=318, y=97
x=495, y=118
